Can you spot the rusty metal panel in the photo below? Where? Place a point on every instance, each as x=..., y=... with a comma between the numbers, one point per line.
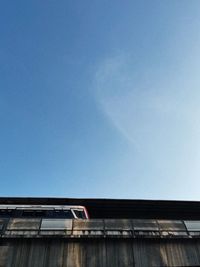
x=171, y=225
x=17, y=224
x=145, y=225
x=171, y=228
x=92, y=224
x=88, y=227
x=120, y=227
x=144, y=228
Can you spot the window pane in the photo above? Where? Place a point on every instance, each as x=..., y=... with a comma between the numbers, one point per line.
x=170, y=225
x=80, y=214
x=92, y=224
x=192, y=225
x=28, y=213
x=63, y=214
x=49, y=224
x=1, y=224
x=28, y=224
x=119, y=224
x=6, y=213
x=145, y=225
x=40, y=213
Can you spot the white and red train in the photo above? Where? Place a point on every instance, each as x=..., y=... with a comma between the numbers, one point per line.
x=44, y=211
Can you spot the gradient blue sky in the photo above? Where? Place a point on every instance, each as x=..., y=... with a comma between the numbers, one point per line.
x=100, y=98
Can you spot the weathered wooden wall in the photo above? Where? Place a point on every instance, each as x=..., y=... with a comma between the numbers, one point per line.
x=99, y=252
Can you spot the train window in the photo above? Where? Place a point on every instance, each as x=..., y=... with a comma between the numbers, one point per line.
x=79, y=214
x=17, y=213
x=145, y=225
x=1, y=224
x=28, y=213
x=33, y=213
x=40, y=213
x=3, y=212
x=65, y=214
x=192, y=225
x=6, y=212
x=56, y=224
x=49, y=214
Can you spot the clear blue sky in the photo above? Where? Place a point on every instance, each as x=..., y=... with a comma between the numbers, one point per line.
x=100, y=98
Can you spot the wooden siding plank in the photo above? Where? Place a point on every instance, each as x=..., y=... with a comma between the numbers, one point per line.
x=114, y=252
x=55, y=253
x=182, y=253
x=95, y=253
x=21, y=254
x=119, y=253
x=4, y=252
x=75, y=255
x=38, y=253
x=149, y=253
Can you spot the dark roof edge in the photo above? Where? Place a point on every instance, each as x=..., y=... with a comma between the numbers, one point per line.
x=61, y=200
x=120, y=208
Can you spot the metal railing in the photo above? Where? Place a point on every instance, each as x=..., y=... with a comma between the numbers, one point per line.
x=124, y=228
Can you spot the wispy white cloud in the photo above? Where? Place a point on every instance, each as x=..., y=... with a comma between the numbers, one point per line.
x=131, y=106
x=160, y=120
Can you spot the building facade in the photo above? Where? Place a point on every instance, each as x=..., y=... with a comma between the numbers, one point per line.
x=41, y=232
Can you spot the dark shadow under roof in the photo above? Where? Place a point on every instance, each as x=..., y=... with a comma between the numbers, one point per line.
x=121, y=208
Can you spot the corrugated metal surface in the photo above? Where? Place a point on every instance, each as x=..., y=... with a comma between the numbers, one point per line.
x=99, y=253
